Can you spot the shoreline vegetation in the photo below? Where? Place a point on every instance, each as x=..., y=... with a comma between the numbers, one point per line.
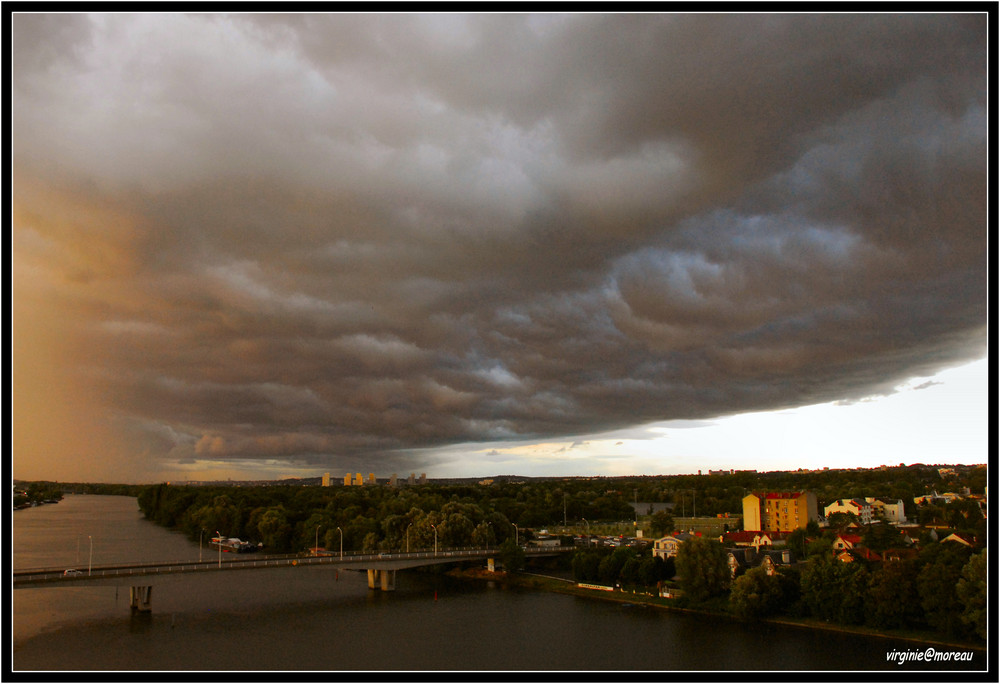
x=556, y=585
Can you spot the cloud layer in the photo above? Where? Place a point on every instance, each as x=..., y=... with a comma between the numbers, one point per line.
x=334, y=239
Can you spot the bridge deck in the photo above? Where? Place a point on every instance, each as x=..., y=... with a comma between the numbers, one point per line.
x=123, y=574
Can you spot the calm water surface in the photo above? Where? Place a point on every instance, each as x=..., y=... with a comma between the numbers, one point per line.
x=318, y=619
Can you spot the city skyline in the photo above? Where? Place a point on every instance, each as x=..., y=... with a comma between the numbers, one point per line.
x=277, y=245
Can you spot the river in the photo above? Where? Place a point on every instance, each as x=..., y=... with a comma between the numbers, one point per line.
x=318, y=619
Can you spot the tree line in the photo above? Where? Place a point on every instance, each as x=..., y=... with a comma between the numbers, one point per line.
x=286, y=518
x=942, y=588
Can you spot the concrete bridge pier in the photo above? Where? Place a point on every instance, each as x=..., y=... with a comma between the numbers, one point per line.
x=388, y=580
x=382, y=579
x=141, y=599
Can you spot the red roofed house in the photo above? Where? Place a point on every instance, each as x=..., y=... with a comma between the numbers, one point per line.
x=845, y=542
x=858, y=507
x=752, y=538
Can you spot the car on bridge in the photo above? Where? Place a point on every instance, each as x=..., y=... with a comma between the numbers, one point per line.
x=71, y=573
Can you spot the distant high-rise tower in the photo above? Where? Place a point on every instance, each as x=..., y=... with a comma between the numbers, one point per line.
x=392, y=480
x=347, y=480
x=412, y=479
x=371, y=478
x=423, y=478
x=326, y=479
x=358, y=480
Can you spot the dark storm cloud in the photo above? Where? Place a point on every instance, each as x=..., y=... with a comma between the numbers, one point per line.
x=330, y=237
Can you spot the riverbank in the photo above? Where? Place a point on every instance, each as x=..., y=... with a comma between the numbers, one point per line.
x=560, y=586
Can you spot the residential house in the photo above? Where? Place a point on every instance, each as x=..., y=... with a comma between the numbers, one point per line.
x=935, y=498
x=740, y=559
x=666, y=547
x=959, y=538
x=756, y=539
x=859, y=553
x=846, y=542
x=908, y=539
x=773, y=560
x=845, y=556
x=860, y=508
x=891, y=510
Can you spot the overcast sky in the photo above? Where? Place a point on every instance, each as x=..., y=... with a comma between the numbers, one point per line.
x=280, y=245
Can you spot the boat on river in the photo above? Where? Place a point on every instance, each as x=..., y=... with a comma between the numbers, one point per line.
x=232, y=545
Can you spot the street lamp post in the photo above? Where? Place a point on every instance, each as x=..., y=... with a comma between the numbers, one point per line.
x=587, y=524
x=316, y=546
x=90, y=564
x=200, y=536
x=219, y=542
x=341, y=543
x=408, y=537
x=515, y=533
x=435, y=539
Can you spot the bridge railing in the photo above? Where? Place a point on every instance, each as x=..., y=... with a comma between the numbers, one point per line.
x=245, y=558
x=25, y=576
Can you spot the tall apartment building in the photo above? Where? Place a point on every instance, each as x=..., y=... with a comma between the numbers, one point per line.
x=347, y=480
x=326, y=479
x=778, y=511
x=371, y=478
x=358, y=480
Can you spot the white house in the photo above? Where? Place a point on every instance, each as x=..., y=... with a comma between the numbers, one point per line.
x=666, y=547
x=859, y=507
x=890, y=509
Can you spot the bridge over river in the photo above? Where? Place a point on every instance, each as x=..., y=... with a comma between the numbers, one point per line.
x=141, y=577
